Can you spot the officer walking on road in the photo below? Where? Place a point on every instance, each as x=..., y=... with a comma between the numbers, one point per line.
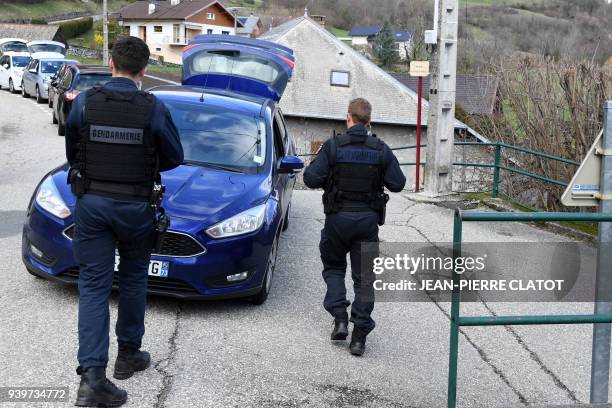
x=353, y=168
x=118, y=140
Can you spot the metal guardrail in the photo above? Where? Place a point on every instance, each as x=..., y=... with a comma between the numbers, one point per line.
x=496, y=165
x=458, y=321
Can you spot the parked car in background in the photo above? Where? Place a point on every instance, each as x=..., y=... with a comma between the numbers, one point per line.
x=13, y=45
x=76, y=79
x=12, y=65
x=54, y=79
x=37, y=76
x=46, y=46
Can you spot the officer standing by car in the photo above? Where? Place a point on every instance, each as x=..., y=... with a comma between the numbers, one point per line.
x=118, y=140
x=353, y=168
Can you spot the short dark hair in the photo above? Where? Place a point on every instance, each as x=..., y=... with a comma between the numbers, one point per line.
x=130, y=55
x=360, y=110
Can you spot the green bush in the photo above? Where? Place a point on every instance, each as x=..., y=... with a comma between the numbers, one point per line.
x=39, y=21
x=75, y=28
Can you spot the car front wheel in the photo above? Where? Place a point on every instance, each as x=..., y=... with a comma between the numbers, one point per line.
x=39, y=98
x=23, y=91
x=11, y=86
x=261, y=297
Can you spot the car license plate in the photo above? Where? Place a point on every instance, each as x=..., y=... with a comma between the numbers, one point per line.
x=159, y=269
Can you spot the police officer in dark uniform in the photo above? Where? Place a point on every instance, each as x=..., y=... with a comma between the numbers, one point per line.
x=353, y=168
x=118, y=140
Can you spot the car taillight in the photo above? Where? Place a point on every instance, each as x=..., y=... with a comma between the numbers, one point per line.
x=287, y=60
x=69, y=96
x=190, y=46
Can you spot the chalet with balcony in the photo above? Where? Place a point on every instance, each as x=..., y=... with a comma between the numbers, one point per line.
x=168, y=25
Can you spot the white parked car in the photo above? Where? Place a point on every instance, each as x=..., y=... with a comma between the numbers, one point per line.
x=47, y=46
x=13, y=44
x=12, y=65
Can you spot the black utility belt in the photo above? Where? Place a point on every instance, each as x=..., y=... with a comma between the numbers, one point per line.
x=129, y=192
x=118, y=197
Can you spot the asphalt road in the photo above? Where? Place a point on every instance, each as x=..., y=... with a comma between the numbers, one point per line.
x=232, y=354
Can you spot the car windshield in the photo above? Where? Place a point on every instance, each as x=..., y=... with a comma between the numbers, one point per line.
x=50, y=67
x=14, y=46
x=220, y=137
x=47, y=48
x=21, y=62
x=87, y=81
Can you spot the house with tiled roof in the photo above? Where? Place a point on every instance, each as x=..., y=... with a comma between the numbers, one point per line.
x=477, y=94
x=364, y=35
x=168, y=25
x=251, y=26
x=327, y=75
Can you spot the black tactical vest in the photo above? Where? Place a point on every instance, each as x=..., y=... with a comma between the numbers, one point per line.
x=116, y=151
x=357, y=171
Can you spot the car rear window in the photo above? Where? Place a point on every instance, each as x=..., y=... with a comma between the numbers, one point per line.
x=223, y=137
x=14, y=46
x=87, y=81
x=248, y=66
x=50, y=67
x=48, y=48
x=21, y=62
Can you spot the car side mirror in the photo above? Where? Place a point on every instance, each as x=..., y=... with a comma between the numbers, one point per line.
x=290, y=164
x=53, y=83
x=33, y=70
x=5, y=66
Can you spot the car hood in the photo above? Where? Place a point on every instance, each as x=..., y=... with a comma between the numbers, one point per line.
x=212, y=195
x=197, y=193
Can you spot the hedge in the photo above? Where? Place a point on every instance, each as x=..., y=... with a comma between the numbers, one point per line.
x=74, y=28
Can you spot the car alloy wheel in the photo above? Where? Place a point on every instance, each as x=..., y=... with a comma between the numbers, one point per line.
x=39, y=99
x=261, y=297
x=11, y=86
x=23, y=91
x=286, y=220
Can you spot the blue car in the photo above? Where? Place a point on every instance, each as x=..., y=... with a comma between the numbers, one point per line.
x=228, y=202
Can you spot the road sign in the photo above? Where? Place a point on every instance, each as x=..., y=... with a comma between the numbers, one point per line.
x=419, y=68
x=583, y=190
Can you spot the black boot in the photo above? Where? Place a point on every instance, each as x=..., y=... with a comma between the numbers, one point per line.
x=340, y=331
x=358, y=342
x=97, y=391
x=130, y=360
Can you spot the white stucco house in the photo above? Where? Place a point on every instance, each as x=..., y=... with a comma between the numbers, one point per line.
x=168, y=25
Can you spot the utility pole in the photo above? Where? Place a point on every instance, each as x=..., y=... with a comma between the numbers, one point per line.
x=441, y=121
x=105, y=31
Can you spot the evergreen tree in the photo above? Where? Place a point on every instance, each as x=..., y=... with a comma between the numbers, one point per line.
x=385, y=48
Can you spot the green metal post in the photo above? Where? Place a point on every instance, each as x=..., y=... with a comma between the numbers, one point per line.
x=455, y=309
x=496, y=171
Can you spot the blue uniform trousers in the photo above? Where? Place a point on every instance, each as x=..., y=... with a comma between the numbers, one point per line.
x=343, y=233
x=102, y=226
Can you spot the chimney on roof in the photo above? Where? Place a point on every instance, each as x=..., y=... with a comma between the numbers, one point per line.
x=175, y=2
x=319, y=19
x=151, y=7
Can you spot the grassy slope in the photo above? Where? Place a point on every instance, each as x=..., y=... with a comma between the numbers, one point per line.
x=338, y=32
x=16, y=9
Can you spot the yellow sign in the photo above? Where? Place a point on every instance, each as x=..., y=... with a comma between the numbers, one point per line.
x=419, y=68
